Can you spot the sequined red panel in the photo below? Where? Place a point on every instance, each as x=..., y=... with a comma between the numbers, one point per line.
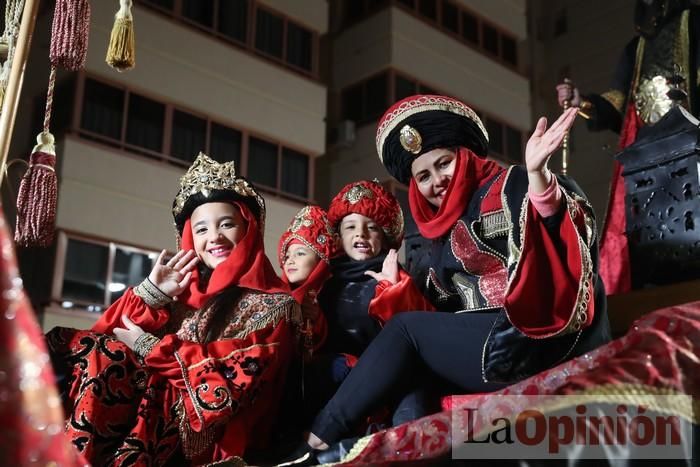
x=490, y=269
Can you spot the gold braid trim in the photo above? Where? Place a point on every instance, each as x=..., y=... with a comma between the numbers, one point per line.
x=616, y=99
x=230, y=355
x=583, y=296
x=151, y=294
x=288, y=310
x=193, y=442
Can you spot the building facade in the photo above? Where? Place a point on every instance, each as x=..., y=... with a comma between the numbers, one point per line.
x=237, y=79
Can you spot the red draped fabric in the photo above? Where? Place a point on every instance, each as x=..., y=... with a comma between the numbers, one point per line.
x=614, y=266
x=30, y=409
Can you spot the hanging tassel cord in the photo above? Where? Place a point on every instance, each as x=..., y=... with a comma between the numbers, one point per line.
x=69, y=34
x=121, y=52
x=38, y=191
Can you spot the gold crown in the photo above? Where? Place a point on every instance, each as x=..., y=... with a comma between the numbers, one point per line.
x=205, y=175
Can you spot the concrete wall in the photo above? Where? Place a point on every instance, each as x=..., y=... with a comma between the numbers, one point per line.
x=393, y=38
x=128, y=199
x=454, y=68
x=188, y=67
x=311, y=13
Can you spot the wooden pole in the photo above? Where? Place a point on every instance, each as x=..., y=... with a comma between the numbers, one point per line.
x=14, y=82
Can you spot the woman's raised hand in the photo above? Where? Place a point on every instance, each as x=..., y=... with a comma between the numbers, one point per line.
x=172, y=277
x=542, y=145
x=390, y=268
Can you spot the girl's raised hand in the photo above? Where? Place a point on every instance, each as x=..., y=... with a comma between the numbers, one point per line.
x=173, y=277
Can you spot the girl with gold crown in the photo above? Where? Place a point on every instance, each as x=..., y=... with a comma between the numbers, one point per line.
x=193, y=359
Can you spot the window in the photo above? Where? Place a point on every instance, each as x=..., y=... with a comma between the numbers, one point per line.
x=145, y=122
x=199, y=11
x=376, y=96
x=85, y=274
x=470, y=28
x=495, y=131
x=189, y=136
x=466, y=26
x=233, y=19
x=262, y=162
x=149, y=122
x=490, y=38
x=268, y=33
x=166, y=4
x=514, y=145
x=87, y=280
x=299, y=47
x=403, y=88
x=295, y=173
x=450, y=16
x=509, y=50
x=130, y=268
x=428, y=8
x=561, y=25
x=352, y=103
x=103, y=109
x=225, y=144
x=367, y=100
x=275, y=36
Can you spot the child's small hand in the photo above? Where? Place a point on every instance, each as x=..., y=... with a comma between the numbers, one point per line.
x=129, y=333
x=390, y=269
x=173, y=277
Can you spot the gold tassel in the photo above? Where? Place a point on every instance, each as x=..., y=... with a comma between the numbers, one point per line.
x=121, y=53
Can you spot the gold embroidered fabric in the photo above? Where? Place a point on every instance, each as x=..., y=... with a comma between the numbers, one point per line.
x=254, y=311
x=152, y=295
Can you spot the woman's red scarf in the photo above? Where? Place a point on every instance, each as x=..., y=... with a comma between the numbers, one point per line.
x=471, y=172
x=312, y=284
x=246, y=267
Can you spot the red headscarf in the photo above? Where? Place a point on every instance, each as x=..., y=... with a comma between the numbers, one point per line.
x=371, y=200
x=246, y=266
x=309, y=227
x=312, y=285
x=471, y=172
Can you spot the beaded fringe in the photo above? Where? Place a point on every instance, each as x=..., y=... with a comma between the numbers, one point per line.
x=494, y=224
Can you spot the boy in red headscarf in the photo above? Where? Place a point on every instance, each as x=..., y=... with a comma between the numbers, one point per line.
x=192, y=359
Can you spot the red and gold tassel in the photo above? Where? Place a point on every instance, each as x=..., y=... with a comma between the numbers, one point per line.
x=38, y=191
x=121, y=53
x=37, y=197
x=69, y=34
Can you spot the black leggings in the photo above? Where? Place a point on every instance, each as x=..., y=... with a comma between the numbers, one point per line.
x=413, y=346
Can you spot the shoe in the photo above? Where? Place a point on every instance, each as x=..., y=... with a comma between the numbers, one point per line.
x=336, y=452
